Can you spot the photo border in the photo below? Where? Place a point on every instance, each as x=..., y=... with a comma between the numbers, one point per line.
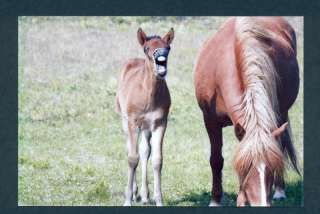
x=10, y=10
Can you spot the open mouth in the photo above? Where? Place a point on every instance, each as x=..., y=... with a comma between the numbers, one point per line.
x=160, y=59
x=161, y=66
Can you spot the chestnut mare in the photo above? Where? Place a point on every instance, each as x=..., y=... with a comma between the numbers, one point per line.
x=247, y=76
x=143, y=100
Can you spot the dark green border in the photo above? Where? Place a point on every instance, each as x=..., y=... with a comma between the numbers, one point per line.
x=159, y=7
x=8, y=110
x=10, y=9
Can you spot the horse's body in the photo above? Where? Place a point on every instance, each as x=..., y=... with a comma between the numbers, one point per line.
x=247, y=75
x=143, y=100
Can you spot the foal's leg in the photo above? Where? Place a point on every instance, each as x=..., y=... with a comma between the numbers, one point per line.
x=216, y=160
x=135, y=188
x=156, y=143
x=144, y=150
x=133, y=159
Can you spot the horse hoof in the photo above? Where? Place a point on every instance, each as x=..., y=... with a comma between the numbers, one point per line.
x=127, y=204
x=145, y=201
x=214, y=204
x=159, y=204
x=157, y=201
x=279, y=195
x=136, y=198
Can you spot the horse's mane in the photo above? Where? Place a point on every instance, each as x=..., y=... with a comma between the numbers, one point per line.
x=259, y=107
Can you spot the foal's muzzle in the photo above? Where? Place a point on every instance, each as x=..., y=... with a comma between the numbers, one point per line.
x=160, y=56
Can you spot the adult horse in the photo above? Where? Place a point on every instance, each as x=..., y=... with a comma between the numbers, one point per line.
x=247, y=76
x=143, y=100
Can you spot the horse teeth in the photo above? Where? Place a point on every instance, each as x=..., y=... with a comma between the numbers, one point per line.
x=161, y=58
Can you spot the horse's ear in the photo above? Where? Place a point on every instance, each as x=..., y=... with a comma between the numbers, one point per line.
x=277, y=132
x=142, y=37
x=168, y=38
x=239, y=131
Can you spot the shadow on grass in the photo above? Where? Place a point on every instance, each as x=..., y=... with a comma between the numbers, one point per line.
x=294, y=198
x=202, y=199
x=294, y=192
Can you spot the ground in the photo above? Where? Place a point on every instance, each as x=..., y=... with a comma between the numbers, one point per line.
x=71, y=145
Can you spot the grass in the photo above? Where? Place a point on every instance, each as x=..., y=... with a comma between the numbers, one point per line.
x=71, y=145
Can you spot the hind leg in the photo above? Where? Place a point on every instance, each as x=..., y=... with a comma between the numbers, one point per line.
x=216, y=160
x=279, y=187
x=279, y=183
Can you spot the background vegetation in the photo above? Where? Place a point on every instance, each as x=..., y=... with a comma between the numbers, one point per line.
x=71, y=145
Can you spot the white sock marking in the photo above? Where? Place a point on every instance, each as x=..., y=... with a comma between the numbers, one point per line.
x=214, y=204
x=263, y=195
x=279, y=194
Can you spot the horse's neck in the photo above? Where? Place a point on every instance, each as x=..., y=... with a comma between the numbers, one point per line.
x=152, y=86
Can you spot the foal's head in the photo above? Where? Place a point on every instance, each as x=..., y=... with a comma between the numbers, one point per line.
x=257, y=160
x=157, y=50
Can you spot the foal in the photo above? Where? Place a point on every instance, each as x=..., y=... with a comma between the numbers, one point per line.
x=143, y=101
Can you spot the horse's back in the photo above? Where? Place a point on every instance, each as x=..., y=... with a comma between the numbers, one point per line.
x=130, y=68
x=285, y=61
x=216, y=69
x=283, y=52
x=131, y=75
x=128, y=81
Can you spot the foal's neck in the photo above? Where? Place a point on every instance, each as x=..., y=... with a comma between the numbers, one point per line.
x=151, y=83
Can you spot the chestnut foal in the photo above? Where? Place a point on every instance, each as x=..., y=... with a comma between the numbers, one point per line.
x=143, y=101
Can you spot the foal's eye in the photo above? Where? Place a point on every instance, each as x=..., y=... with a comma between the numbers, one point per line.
x=146, y=49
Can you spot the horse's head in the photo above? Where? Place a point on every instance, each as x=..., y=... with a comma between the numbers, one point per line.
x=257, y=187
x=256, y=170
x=157, y=50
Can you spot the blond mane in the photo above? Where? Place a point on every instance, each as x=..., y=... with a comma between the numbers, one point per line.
x=259, y=107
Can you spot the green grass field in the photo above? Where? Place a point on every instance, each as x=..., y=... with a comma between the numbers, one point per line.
x=71, y=146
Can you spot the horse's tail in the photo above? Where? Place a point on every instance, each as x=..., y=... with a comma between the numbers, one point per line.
x=289, y=150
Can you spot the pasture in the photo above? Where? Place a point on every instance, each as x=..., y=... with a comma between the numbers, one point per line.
x=71, y=148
